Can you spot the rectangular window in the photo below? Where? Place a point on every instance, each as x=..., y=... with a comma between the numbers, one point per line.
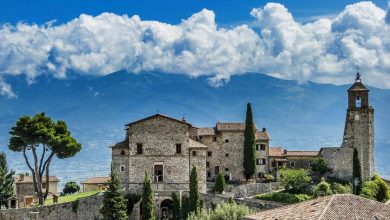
x=43, y=185
x=207, y=164
x=178, y=148
x=194, y=153
x=158, y=173
x=122, y=168
x=209, y=153
x=260, y=147
x=292, y=163
x=208, y=174
x=226, y=140
x=216, y=170
x=226, y=155
x=214, y=139
x=140, y=149
x=273, y=164
x=260, y=161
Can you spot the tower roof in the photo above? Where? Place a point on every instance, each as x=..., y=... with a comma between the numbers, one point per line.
x=358, y=85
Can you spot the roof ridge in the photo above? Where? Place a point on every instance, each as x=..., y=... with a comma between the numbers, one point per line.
x=327, y=207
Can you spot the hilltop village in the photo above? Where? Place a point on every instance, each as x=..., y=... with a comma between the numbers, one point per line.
x=167, y=150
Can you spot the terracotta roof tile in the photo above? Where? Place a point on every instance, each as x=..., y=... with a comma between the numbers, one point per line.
x=302, y=153
x=196, y=144
x=96, y=180
x=276, y=152
x=262, y=135
x=340, y=207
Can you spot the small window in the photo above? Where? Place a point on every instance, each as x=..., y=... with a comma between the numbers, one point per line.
x=207, y=164
x=226, y=140
x=123, y=152
x=43, y=185
x=226, y=155
x=226, y=169
x=209, y=154
x=200, y=137
x=158, y=173
x=178, y=148
x=292, y=163
x=214, y=139
x=193, y=153
x=139, y=149
x=122, y=168
x=208, y=174
x=310, y=163
x=358, y=102
x=260, y=147
x=260, y=161
x=216, y=169
x=273, y=164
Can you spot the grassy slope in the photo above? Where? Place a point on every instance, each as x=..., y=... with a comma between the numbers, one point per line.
x=71, y=198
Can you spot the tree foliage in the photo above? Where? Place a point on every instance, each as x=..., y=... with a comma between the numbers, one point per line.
x=70, y=188
x=147, y=202
x=338, y=188
x=249, y=144
x=295, y=181
x=6, y=181
x=357, y=173
x=322, y=188
x=231, y=211
x=114, y=204
x=194, y=191
x=40, y=133
x=383, y=194
x=131, y=199
x=176, y=209
x=320, y=166
x=185, y=207
x=220, y=184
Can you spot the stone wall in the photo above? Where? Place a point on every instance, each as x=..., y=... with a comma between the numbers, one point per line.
x=85, y=209
x=249, y=190
x=340, y=161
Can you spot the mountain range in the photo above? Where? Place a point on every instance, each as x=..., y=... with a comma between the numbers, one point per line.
x=297, y=115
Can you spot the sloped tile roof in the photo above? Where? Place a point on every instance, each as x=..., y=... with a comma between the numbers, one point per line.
x=335, y=207
x=230, y=126
x=205, y=131
x=302, y=153
x=96, y=180
x=196, y=144
x=276, y=152
x=29, y=179
x=262, y=135
x=159, y=115
x=358, y=86
x=124, y=143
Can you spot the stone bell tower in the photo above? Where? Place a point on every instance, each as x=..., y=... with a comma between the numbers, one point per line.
x=359, y=127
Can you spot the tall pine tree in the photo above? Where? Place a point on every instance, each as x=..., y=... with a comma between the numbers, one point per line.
x=114, y=203
x=357, y=173
x=6, y=181
x=147, y=202
x=194, y=191
x=249, y=144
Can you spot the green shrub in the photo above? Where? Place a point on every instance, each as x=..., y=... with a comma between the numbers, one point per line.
x=220, y=184
x=383, y=189
x=369, y=190
x=131, y=200
x=268, y=178
x=294, y=181
x=322, y=188
x=320, y=166
x=284, y=197
x=338, y=188
x=230, y=211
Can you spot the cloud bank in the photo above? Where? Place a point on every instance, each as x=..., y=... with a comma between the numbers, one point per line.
x=325, y=50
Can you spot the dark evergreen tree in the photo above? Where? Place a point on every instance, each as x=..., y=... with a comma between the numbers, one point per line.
x=114, y=204
x=220, y=184
x=177, y=215
x=185, y=207
x=194, y=191
x=6, y=181
x=131, y=199
x=249, y=144
x=357, y=173
x=70, y=188
x=147, y=202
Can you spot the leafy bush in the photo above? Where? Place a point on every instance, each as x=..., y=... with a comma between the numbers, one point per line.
x=320, y=166
x=70, y=188
x=284, y=197
x=338, y=188
x=322, y=188
x=268, y=178
x=295, y=181
x=369, y=190
x=230, y=211
x=131, y=200
x=383, y=189
x=220, y=184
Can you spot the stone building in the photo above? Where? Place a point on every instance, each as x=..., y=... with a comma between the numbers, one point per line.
x=25, y=193
x=95, y=183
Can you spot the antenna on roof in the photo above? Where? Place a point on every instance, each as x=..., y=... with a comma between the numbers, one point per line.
x=158, y=112
x=358, y=74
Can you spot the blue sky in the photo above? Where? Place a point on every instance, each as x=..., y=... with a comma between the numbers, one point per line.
x=170, y=11
x=319, y=41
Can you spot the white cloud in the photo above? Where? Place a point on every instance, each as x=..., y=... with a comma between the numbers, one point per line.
x=324, y=50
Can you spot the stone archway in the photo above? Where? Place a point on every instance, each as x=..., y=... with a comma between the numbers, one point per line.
x=166, y=212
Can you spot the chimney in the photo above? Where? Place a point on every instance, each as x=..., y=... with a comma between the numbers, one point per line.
x=284, y=151
x=264, y=130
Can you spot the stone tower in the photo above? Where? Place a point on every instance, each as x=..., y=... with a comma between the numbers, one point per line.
x=359, y=127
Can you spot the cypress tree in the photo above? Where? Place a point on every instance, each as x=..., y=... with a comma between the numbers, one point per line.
x=114, y=204
x=6, y=181
x=185, y=207
x=147, y=202
x=194, y=191
x=220, y=184
x=176, y=209
x=249, y=144
x=357, y=173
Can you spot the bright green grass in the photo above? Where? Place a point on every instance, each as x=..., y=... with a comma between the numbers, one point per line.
x=71, y=198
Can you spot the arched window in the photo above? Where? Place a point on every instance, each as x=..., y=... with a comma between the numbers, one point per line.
x=358, y=102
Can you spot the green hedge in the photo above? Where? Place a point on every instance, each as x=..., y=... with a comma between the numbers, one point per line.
x=284, y=197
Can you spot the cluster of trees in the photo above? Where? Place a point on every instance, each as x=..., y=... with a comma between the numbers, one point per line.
x=231, y=211
x=70, y=188
x=6, y=181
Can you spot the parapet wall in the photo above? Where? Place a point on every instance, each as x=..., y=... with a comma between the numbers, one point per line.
x=81, y=209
